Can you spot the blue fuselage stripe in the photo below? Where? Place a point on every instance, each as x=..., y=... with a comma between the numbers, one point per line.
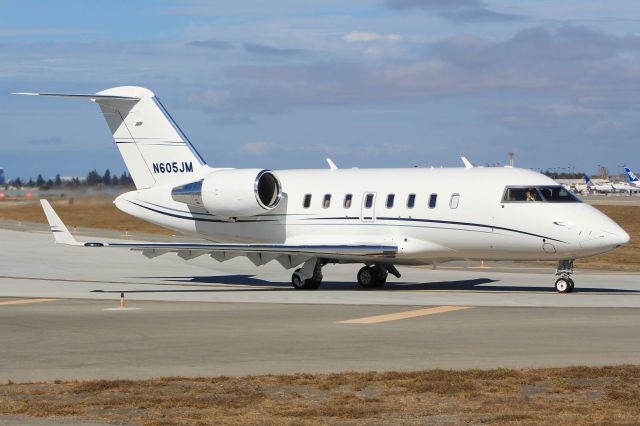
x=401, y=219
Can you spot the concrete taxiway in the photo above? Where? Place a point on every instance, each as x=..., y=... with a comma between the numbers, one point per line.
x=59, y=317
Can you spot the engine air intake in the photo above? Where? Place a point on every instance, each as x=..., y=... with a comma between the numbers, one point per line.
x=268, y=189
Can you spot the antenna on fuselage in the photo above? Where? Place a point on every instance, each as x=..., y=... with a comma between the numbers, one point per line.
x=331, y=164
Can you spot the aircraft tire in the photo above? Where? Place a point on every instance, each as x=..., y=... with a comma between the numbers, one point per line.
x=299, y=284
x=563, y=285
x=372, y=277
x=571, y=284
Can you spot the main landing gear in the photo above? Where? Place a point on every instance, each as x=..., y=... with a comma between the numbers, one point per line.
x=375, y=275
x=564, y=284
x=309, y=277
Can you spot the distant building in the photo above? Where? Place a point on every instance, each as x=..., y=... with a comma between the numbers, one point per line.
x=2, y=178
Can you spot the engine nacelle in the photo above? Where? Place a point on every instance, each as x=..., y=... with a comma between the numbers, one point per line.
x=233, y=192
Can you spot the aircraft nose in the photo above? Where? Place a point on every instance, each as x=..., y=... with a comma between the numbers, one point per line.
x=614, y=235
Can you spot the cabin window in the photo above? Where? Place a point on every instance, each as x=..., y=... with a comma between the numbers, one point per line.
x=390, y=199
x=347, y=201
x=411, y=201
x=455, y=199
x=307, y=201
x=326, y=201
x=368, y=201
x=433, y=199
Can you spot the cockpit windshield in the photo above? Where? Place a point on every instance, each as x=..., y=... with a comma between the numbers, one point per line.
x=547, y=193
x=557, y=194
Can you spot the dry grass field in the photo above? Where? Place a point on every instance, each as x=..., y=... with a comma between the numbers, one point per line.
x=568, y=396
x=101, y=213
x=83, y=212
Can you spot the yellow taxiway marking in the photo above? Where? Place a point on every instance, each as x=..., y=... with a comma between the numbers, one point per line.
x=404, y=315
x=23, y=301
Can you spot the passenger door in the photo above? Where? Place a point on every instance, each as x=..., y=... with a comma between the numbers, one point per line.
x=368, y=209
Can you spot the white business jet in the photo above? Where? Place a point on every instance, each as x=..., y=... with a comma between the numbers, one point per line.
x=378, y=217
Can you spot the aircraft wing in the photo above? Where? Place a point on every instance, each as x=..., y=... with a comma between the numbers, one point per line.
x=289, y=255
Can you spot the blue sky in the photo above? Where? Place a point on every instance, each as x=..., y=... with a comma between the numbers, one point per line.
x=284, y=84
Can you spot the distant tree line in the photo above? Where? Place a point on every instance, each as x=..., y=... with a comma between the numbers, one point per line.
x=93, y=179
x=563, y=175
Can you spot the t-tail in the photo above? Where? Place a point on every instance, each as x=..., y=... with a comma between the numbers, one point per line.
x=152, y=145
x=631, y=177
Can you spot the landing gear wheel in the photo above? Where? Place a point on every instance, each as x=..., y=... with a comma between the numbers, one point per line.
x=564, y=285
x=301, y=284
x=371, y=276
x=564, y=270
x=571, y=284
x=367, y=277
x=381, y=278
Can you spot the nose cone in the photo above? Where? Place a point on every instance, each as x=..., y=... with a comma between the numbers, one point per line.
x=601, y=234
x=614, y=235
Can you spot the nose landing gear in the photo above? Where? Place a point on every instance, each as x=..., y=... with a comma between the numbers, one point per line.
x=564, y=284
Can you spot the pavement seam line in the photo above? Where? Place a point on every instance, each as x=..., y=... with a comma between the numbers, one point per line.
x=404, y=315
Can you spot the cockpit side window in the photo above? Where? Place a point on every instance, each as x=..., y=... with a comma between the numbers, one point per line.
x=521, y=194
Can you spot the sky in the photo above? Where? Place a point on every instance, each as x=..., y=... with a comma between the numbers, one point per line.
x=287, y=83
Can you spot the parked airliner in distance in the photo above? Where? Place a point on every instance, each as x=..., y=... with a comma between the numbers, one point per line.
x=602, y=188
x=378, y=217
x=609, y=187
x=632, y=178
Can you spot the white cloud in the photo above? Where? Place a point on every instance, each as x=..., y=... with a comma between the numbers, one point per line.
x=256, y=148
x=365, y=36
x=358, y=36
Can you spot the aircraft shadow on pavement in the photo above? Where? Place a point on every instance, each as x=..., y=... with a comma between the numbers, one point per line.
x=477, y=285
x=250, y=280
x=480, y=285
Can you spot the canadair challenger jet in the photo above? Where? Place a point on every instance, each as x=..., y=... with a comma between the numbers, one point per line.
x=306, y=219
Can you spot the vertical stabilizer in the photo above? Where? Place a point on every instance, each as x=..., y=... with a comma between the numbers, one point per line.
x=631, y=177
x=152, y=145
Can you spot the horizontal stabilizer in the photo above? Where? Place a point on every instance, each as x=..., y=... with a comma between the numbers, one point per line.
x=81, y=96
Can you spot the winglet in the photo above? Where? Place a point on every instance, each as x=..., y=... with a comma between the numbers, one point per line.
x=331, y=164
x=60, y=231
x=467, y=163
